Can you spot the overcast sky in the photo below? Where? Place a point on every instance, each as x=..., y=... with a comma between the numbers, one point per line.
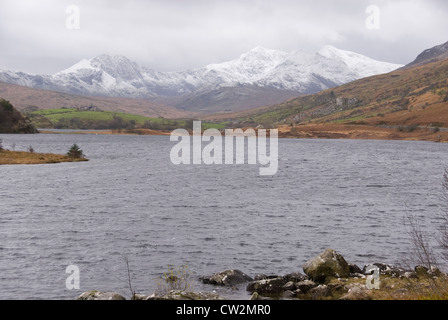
x=171, y=35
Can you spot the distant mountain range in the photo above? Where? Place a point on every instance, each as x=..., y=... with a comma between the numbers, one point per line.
x=408, y=98
x=257, y=78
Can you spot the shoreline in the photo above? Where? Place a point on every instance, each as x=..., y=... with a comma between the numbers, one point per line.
x=364, y=132
x=314, y=131
x=327, y=276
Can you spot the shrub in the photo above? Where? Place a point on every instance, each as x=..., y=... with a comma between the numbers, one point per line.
x=75, y=152
x=177, y=279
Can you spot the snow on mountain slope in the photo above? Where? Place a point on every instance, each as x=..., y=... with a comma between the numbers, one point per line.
x=298, y=71
x=104, y=75
x=357, y=65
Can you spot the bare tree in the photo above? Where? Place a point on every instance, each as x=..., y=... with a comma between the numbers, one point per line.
x=421, y=252
x=129, y=277
x=443, y=232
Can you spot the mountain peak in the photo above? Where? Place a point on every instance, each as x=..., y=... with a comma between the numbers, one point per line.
x=329, y=51
x=260, y=49
x=114, y=59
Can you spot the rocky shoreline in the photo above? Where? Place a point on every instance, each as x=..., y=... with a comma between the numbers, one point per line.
x=328, y=276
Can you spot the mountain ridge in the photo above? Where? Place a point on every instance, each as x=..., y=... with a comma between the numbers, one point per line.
x=278, y=71
x=436, y=53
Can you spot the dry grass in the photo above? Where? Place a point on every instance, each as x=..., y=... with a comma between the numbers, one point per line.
x=16, y=157
x=345, y=131
x=412, y=289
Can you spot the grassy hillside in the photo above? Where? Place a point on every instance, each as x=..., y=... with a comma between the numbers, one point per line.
x=69, y=118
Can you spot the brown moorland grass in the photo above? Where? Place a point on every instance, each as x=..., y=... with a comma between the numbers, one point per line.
x=19, y=157
x=365, y=132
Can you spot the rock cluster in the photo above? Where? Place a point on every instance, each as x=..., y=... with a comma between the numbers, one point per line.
x=327, y=276
x=172, y=295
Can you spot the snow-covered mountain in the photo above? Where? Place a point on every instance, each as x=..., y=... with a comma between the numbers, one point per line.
x=258, y=77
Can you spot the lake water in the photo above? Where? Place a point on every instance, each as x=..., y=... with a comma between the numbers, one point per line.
x=351, y=196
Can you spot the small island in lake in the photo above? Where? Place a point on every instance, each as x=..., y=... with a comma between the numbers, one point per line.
x=20, y=157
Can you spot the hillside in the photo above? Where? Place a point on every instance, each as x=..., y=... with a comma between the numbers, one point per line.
x=437, y=53
x=28, y=99
x=12, y=121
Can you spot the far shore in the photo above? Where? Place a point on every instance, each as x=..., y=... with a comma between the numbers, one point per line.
x=146, y=132
x=314, y=131
x=364, y=132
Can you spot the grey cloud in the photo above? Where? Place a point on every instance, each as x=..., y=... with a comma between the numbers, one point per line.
x=174, y=35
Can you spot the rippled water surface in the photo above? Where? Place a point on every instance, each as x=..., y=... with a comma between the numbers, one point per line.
x=129, y=199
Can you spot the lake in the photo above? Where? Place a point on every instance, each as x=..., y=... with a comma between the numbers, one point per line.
x=349, y=195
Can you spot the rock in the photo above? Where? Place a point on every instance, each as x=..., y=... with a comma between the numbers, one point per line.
x=421, y=271
x=410, y=275
x=141, y=297
x=254, y=296
x=98, y=295
x=354, y=269
x=264, y=277
x=326, y=266
x=298, y=292
x=385, y=270
x=291, y=286
x=295, y=277
x=227, y=278
x=305, y=286
x=356, y=292
x=267, y=286
x=435, y=272
x=288, y=294
x=320, y=292
x=261, y=277
x=182, y=295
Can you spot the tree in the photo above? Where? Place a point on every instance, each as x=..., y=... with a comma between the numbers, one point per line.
x=75, y=152
x=6, y=105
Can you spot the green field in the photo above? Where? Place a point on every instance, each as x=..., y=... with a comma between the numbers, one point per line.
x=75, y=119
